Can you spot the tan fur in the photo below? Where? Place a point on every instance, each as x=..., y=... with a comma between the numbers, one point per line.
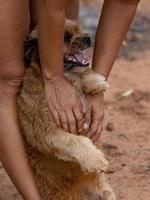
x=65, y=166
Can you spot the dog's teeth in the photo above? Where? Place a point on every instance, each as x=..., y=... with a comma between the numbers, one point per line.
x=84, y=62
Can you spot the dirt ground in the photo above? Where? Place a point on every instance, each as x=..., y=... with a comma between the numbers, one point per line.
x=126, y=136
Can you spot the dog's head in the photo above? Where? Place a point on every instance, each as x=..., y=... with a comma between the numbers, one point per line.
x=75, y=42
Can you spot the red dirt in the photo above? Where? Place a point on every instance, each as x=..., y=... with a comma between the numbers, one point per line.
x=125, y=139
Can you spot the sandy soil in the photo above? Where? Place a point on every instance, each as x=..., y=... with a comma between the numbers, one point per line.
x=125, y=139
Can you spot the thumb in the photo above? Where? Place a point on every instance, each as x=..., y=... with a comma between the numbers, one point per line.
x=87, y=119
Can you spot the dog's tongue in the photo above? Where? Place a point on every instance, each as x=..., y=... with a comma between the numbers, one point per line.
x=81, y=58
x=77, y=58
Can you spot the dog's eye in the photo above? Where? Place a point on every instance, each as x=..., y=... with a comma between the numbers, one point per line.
x=67, y=37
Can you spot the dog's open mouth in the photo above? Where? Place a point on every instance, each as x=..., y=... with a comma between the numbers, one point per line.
x=76, y=59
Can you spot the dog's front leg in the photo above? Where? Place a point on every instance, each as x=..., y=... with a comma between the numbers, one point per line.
x=79, y=149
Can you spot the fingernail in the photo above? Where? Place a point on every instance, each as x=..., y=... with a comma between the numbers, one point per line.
x=85, y=126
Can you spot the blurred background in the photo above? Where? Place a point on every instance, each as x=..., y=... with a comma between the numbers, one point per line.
x=126, y=135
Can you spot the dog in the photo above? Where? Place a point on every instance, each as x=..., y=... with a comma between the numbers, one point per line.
x=66, y=166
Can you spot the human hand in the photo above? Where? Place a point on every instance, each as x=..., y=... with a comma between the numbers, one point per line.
x=94, y=116
x=64, y=104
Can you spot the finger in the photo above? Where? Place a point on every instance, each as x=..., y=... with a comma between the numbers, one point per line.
x=96, y=119
x=71, y=122
x=96, y=137
x=81, y=106
x=64, y=121
x=79, y=118
x=56, y=117
x=87, y=119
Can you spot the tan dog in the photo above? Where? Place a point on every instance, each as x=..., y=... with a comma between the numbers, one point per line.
x=65, y=166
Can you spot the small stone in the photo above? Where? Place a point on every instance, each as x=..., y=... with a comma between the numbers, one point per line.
x=110, y=126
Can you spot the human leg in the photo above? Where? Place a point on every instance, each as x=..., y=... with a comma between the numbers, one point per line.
x=14, y=17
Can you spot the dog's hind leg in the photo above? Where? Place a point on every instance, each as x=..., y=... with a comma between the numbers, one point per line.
x=105, y=189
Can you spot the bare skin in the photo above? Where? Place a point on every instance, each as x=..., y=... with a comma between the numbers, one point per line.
x=72, y=11
x=64, y=103
x=114, y=23
x=113, y=26
x=14, y=17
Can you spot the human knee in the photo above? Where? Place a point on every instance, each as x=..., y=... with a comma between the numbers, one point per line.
x=12, y=75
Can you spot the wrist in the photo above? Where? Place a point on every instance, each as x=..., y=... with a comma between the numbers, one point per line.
x=52, y=70
x=102, y=67
x=50, y=76
x=56, y=80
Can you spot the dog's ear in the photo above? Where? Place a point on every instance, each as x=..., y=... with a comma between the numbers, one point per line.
x=31, y=43
x=67, y=37
x=71, y=28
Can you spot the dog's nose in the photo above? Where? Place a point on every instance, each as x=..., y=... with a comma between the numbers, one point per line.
x=87, y=41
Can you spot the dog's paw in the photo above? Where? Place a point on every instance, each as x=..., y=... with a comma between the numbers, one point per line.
x=108, y=195
x=93, y=159
x=96, y=162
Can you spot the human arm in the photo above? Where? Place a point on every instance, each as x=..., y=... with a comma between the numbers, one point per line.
x=61, y=96
x=72, y=11
x=115, y=20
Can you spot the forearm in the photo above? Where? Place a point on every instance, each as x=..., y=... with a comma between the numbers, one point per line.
x=115, y=20
x=72, y=11
x=51, y=21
